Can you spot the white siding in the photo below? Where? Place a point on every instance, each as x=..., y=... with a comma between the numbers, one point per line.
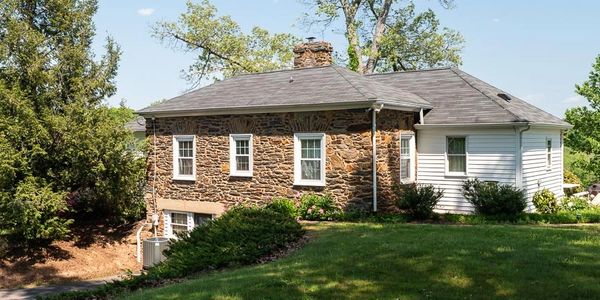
x=536, y=175
x=490, y=156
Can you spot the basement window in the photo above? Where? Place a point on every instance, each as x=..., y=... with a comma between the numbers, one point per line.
x=181, y=222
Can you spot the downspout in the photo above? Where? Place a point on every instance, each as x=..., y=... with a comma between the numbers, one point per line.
x=154, y=209
x=374, y=111
x=519, y=156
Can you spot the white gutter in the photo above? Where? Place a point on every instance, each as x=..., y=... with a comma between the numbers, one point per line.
x=519, y=155
x=493, y=125
x=374, y=111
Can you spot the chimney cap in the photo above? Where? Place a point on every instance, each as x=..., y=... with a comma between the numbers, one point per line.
x=311, y=39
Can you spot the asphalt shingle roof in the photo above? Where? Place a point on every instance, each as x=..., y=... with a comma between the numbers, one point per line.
x=459, y=98
x=296, y=87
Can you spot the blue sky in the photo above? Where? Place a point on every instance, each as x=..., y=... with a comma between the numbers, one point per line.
x=536, y=50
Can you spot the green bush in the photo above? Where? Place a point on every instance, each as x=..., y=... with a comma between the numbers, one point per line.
x=491, y=198
x=574, y=204
x=570, y=177
x=545, y=202
x=417, y=200
x=31, y=216
x=241, y=236
x=318, y=207
x=284, y=206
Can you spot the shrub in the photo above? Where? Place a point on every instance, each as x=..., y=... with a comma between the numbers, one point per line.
x=318, y=208
x=545, y=202
x=284, y=206
x=418, y=200
x=491, y=198
x=574, y=203
x=241, y=236
x=570, y=177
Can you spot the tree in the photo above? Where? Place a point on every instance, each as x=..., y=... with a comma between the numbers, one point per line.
x=223, y=49
x=584, y=137
x=62, y=150
x=386, y=35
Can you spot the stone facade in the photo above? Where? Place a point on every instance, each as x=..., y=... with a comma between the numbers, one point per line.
x=348, y=157
x=312, y=54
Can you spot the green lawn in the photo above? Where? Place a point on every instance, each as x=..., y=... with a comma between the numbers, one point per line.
x=405, y=261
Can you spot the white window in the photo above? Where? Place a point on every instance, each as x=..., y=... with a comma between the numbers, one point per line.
x=240, y=155
x=184, y=157
x=309, y=159
x=456, y=155
x=177, y=222
x=548, y=153
x=407, y=154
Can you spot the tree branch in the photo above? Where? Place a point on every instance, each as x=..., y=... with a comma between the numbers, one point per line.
x=380, y=28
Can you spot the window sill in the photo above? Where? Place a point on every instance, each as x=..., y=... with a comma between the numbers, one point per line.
x=180, y=178
x=309, y=183
x=247, y=175
x=456, y=175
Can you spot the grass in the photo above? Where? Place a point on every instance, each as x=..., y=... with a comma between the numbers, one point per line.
x=409, y=261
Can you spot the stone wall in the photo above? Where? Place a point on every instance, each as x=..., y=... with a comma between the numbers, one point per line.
x=348, y=161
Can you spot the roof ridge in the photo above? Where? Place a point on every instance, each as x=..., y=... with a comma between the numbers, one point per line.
x=484, y=94
x=410, y=71
x=282, y=70
x=351, y=84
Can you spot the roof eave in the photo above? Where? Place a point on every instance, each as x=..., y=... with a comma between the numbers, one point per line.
x=480, y=125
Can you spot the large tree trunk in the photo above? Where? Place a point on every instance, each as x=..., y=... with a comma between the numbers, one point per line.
x=350, y=10
x=377, y=35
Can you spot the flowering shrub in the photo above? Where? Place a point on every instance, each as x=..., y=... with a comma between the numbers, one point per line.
x=574, y=203
x=545, y=202
x=317, y=207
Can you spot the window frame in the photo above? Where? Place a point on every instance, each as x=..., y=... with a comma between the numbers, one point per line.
x=447, y=161
x=168, y=222
x=176, y=140
x=411, y=156
x=548, y=153
x=298, y=137
x=233, y=138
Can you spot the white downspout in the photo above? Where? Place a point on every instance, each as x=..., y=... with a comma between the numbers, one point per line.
x=374, y=111
x=519, y=156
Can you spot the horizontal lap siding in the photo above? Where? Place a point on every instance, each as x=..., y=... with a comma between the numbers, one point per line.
x=491, y=156
x=535, y=174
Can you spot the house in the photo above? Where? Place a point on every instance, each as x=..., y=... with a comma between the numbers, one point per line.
x=325, y=129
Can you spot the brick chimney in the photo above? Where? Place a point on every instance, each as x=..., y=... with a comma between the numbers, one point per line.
x=312, y=54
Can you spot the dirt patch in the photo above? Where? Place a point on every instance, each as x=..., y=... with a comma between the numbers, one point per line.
x=93, y=251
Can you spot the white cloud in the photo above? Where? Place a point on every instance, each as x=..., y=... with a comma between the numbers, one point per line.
x=145, y=11
x=496, y=20
x=573, y=100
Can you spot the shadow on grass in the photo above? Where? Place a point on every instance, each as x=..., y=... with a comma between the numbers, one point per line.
x=366, y=261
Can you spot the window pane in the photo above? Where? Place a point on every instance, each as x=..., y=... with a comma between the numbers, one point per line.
x=456, y=146
x=242, y=163
x=457, y=163
x=177, y=229
x=200, y=219
x=186, y=166
x=179, y=218
x=405, y=168
x=310, y=148
x=185, y=149
x=405, y=147
x=242, y=147
x=311, y=169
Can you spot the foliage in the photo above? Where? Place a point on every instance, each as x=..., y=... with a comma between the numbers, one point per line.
x=491, y=198
x=570, y=177
x=58, y=140
x=284, y=206
x=418, y=200
x=385, y=35
x=577, y=163
x=343, y=256
x=545, y=201
x=584, y=137
x=574, y=203
x=318, y=207
x=222, y=47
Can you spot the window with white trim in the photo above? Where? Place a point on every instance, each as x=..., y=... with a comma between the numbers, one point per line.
x=184, y=157
x=548, y=153
x=240, y=155
x=456, y=155
x=178, y=222
x=407, y=154
x=309, y=159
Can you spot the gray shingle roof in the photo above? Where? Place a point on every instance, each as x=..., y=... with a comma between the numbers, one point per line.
x=136, y=125
x=298, y=87
x=459, y=98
